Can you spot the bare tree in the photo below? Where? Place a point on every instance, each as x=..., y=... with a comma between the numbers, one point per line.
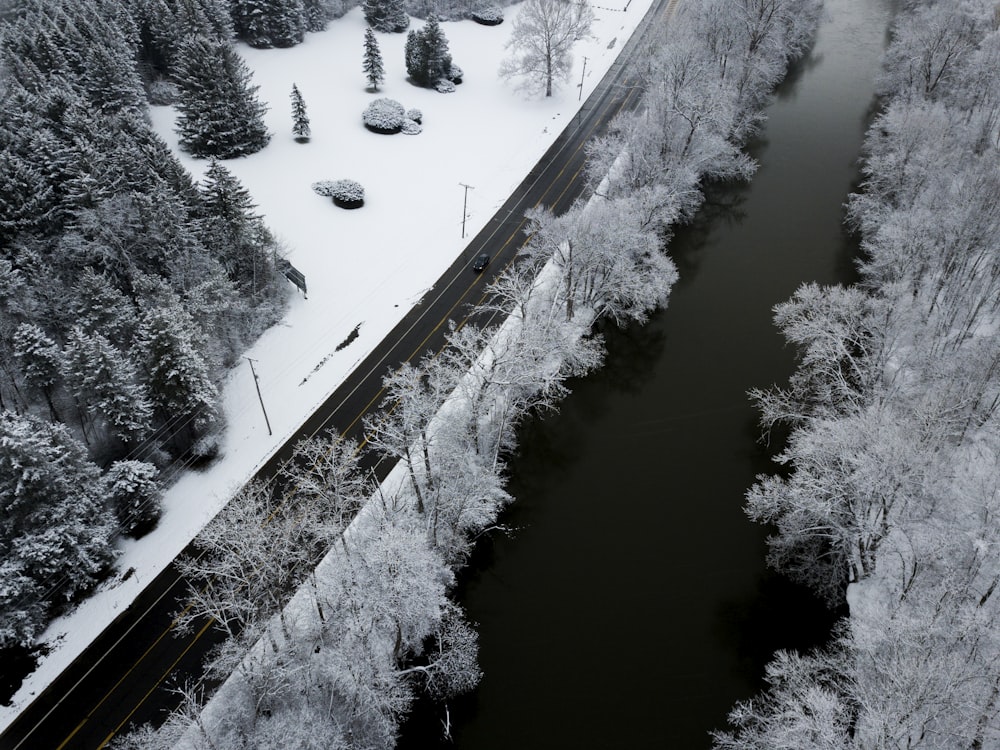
x=541, y=40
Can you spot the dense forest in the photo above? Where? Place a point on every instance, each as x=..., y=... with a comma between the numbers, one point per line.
x=126, y=289
x=373, y=626
x=893, y=496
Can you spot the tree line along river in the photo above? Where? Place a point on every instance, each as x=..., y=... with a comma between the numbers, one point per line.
x=631, y=606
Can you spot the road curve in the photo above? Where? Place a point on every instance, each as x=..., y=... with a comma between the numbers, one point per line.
x=120, y=679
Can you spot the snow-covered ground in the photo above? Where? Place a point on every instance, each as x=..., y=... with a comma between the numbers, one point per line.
x=365, y=267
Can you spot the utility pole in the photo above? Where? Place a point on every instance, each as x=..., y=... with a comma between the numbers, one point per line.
x=582, y=76
x=465, y=203
x=256, y=382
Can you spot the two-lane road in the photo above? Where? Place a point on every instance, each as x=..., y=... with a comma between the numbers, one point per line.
x=121, y=678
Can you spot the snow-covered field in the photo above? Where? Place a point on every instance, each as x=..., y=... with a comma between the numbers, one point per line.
x=367, y=266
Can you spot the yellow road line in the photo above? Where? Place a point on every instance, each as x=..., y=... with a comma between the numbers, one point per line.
x=166, y=674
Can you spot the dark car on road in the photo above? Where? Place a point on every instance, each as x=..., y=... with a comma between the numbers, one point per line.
x=480, y=263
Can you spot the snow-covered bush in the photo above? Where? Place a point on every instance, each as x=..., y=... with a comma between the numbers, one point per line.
x=455, y=74
x=444, y=86
x=348, y=194
x=488, y=15
x=416, y=115
x=345, y=193
x=384, y=116
x=412, y=127
x=205, y=449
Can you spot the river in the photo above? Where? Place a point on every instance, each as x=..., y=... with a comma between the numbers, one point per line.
x=631, y=607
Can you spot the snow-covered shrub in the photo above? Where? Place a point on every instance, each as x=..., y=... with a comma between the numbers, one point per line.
x=488, y=15
x=348, y=194
x=345, y=193
x=444, y=86
x=324, y=188
x=205, y=449
x=384, y=116
x=412, y=127
x=416, y=115
x=455, y=74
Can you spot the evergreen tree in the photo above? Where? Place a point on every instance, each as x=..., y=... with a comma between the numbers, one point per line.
x=427, y=57
x=269, y=23
x=105, y=383
x=111, y=80
x=373, y=67
x=300, y=120
x=26, y=197
x=235, y=233
x=220, y=114
x=99, y=307
x=41, y=361
x=55, y=533
x=177, y=374
x=135, y=496
x=386, y=15
x=317, y=13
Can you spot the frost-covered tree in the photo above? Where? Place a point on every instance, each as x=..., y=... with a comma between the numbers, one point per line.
x=219, y=113
x=176, y=373
x=373, y=66
x=933, y=45
x=541, y=42
x=105, y=384
x=608, y=255
x=890, y=488
x=101, y=308
x=269, y=23
x=41, y=361
x=317, y=14
x=55, y=533
x=300, y=120
x=25, y=196
x=235, y=233
x=386, y=15
x=134, y=493
x=245, y=559
x=401, y=429
x=427, y=57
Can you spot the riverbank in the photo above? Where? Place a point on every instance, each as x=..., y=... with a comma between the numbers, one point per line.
x=632, y=606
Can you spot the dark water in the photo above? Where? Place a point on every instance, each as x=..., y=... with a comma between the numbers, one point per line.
x=632, y=607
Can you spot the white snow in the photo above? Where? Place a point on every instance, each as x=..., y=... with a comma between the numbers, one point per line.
x=366, y=266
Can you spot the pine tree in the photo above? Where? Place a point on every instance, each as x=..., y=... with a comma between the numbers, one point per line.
x=386, y=15
x=373, y=67
x=177, y=374
x=269, y=23
x=135, y=496
x=105, y=384
x=111, y=80
x=236, y=234
x=287, y=22
x=55, y=539
x=300, y=120
x=26, y=198
x=220, y=114
x=41, y=361
x=427, y=57
x=317, y=14
x=101, y=308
